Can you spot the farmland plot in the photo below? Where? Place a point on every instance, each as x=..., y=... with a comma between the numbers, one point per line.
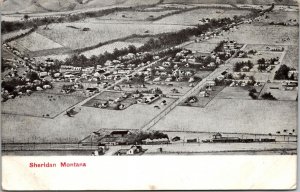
x=35, y=42
x=233, y=116
x=193, y=17
x=39, y=105
x=77, y=38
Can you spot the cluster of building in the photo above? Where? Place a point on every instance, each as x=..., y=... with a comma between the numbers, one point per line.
x=27, y=74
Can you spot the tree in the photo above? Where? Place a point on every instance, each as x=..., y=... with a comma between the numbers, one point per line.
x=26, y=17
x=252, y=93
x=32, y=76
x=268, y=96
x=282, y=73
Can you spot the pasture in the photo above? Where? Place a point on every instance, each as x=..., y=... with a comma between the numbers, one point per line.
x=233, y=116
x=193, y=17
x=100, y=32
x=39, y=105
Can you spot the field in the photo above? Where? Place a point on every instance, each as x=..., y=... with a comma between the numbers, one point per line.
x=193, y=17
x=281, y=16
x=64, y=128
x=236, y=92
x=256, y=34
x=201, y=47
x=280, y=93
x=40, y=105
x=109, y=48
x=291, y=57
x=135, y=15
x=99, y=32
x=232, y=116
x=35, y=42
x=28, y=6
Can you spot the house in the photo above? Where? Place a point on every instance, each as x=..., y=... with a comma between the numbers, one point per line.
x=120, y=133
x=66, y=68
x=203, y=94
x=43, y=74
x=88, y=70
x=135, y=149
x=293, y=74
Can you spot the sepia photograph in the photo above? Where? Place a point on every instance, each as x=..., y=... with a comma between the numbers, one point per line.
x=149, y=78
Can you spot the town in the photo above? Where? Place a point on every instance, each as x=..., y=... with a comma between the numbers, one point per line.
x=216, y=82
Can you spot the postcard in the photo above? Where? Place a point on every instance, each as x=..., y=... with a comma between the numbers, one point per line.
x=159, y=94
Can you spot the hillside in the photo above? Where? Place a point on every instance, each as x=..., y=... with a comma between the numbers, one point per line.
x=254, y=2
x=40, y=6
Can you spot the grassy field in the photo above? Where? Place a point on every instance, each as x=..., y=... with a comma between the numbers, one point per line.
x=233, y=116
x=39, y=105
x=256, y=34
x=193, y=17
x=77, y=38
x=109, y=48
x=35, y=42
